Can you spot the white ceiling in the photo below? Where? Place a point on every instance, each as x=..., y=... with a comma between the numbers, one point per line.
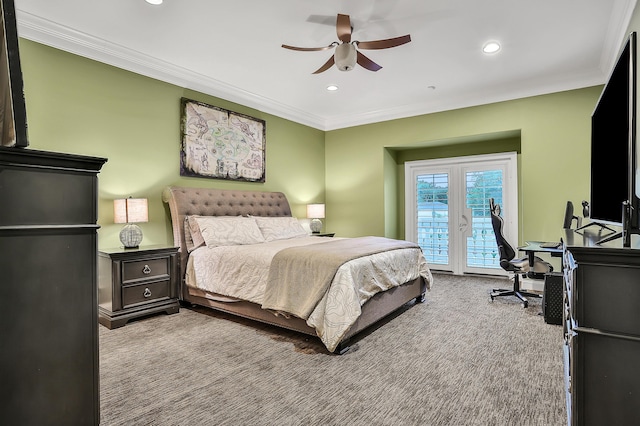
x=232, y=49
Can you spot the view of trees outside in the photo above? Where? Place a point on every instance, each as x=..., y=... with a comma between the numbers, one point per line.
x=482, y=250
x=480, y=187
x=433, y=216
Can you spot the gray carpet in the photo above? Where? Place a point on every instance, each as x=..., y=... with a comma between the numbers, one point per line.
x=457, y=359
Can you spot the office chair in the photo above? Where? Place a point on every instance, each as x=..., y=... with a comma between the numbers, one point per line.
x=509, y=263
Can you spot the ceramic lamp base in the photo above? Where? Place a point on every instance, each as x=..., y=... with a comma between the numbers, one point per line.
x=131, y=236
x=315, y=225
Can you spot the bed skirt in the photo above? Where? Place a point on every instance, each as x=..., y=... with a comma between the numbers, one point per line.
x=379, y=306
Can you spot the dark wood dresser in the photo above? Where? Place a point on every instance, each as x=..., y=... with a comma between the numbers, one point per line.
x=48, y=309
x=602, y=330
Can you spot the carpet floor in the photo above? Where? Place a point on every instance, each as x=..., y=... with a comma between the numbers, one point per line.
x=457, y=359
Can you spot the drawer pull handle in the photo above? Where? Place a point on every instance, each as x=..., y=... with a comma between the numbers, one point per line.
x=146, y=270
x=147, y=292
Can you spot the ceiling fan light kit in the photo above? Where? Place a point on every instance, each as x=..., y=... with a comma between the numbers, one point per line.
x=347, y=54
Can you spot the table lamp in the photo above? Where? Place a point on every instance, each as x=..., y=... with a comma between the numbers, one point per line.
x=315, y=212
x=130, y=211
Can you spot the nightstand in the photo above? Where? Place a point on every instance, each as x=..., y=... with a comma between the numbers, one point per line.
x=136, y=282
x=324, y=234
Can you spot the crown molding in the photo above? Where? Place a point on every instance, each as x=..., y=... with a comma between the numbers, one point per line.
x=49, y=33
x=478, y=99
x=615, y=38
x=46, y=32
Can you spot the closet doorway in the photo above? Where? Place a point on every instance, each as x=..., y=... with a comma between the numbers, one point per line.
x=447, y=210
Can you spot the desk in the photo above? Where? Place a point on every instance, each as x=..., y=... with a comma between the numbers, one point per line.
x=534, y=247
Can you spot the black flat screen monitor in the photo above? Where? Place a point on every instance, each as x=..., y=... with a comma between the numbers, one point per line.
x=569, y=217
x=613, y=144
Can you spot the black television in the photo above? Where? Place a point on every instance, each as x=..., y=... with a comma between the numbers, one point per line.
x=13, y=113
x=614, y=193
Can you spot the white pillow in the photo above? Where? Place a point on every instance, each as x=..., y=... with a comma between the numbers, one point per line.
x=280, y=228
x=229, y=231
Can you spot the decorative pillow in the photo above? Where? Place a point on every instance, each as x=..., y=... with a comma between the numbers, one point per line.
x=192, y=234
x=229, y=231
x=280, y=228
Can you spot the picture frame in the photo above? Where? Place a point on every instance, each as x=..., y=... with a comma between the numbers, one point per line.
x=221, y=144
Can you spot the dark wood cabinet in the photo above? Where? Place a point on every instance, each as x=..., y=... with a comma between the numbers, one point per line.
x=48, y=311
x=324, y=234
x=601, y=331
x=137, y=282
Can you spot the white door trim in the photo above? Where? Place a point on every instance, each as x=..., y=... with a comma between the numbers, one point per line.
x=413, y=169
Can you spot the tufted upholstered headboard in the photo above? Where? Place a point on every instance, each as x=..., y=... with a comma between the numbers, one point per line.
x=186, y=201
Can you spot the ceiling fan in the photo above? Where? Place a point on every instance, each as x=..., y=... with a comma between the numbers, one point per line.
x=347, y=52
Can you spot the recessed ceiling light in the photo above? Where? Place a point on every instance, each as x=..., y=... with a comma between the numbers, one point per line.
x=491, y=47
x=154, y=1
x=332, y=87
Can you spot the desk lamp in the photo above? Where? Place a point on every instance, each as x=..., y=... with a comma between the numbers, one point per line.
x=130, y=211
x=315, y=212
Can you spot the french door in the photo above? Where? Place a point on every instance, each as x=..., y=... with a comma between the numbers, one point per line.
x=447, y=210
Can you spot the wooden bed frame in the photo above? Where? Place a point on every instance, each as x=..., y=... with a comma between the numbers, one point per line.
x=185, y=201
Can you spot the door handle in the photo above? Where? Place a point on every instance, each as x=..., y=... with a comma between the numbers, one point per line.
x=464, y=223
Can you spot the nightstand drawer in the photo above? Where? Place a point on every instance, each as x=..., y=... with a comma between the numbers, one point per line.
x=143, y=269
x=145, y=293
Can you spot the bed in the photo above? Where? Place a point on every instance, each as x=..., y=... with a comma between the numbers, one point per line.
x=225, y=264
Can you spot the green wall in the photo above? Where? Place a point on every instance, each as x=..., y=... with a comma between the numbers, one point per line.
x=553, y=168
x=479, y=145
x=81, y=106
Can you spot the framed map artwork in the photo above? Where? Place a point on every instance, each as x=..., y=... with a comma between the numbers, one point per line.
x=221, y=144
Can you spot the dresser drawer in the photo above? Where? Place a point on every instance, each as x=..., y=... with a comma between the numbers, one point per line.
x=605, y=379
x=605, y=297
x=142, y=269
x=145, y=293
x=43, y=196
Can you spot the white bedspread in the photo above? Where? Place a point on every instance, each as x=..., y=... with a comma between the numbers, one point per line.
x=242, y=272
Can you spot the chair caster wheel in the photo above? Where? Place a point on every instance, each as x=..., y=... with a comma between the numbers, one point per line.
x=524, y=304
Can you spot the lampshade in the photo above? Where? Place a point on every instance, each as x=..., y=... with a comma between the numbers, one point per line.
x=130, y=211
x=315, y=211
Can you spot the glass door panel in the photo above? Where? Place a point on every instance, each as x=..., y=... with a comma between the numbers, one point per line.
x=481, y=248
x=432, y=203
x=447, y=210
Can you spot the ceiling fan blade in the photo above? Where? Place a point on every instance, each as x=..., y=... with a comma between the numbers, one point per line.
x=307, y=49
x=384, y=44
x=326, y=66
x=367, y=63
x=322, y=19
x=343, y=28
